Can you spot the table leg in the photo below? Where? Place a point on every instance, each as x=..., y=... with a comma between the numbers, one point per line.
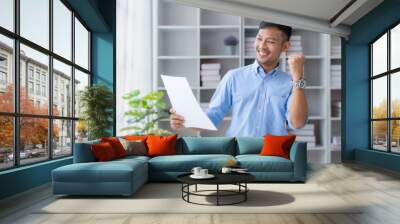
x=196, y=188
x=188, y=190
x=217, y=194
x=245, y=191
x=182, y=190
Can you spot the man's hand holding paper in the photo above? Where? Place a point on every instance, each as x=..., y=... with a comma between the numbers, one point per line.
x=185, y=107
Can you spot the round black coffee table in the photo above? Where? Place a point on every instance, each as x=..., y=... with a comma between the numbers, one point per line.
x=238, y=179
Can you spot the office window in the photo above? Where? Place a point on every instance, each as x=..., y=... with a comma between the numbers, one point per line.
x=62, y=29
x=30, y=88
x=3, y=78
x=30, y=73
x=37, y=75
x=40, y=62
x=81, y=81
x=7, y=84
x=49, y=135
x=385, y=96
x=44, y=91
x=35, y=21
x=62, y=74
x=37, y=89
x=7, y=14
x=33, y=139
x=81, y=45
x=62, y=137
x=6, y=142
x=395, y=47
x=3, y=61
x=3, y=72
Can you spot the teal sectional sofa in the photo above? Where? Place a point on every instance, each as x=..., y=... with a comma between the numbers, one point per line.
x=125, y=176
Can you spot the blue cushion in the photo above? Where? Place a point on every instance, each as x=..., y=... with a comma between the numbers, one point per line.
x=83, y=152
x=257, y=163
x=184, y=163
x=206, y=145
x=249, y=145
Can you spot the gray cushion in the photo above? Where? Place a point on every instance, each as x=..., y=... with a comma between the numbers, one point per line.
x=134, y=147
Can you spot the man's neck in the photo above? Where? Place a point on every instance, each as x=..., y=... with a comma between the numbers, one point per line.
x=267, y=68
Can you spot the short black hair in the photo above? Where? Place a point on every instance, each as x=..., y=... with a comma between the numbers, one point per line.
x=286, y=30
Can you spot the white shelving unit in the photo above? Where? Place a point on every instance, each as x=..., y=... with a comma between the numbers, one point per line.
x=186, y=37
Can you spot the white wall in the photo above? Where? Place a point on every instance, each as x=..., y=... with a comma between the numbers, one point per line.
x=134, y=49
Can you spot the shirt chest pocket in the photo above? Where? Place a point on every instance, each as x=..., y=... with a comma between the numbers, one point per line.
x=277, y=101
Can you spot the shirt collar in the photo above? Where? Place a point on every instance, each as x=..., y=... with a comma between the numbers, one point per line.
x=258, y=70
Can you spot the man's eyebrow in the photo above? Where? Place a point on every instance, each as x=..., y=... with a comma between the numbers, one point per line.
x=268, y=38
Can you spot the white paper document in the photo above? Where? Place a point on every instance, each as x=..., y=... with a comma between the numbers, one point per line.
x=185, y=104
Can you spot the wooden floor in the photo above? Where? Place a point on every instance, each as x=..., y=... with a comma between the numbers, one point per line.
x=378, y=188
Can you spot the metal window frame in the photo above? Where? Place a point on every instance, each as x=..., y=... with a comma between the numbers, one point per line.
x=16, y=114
x=388, y=74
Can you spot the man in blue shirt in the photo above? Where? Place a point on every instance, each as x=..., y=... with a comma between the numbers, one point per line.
x=263, y=98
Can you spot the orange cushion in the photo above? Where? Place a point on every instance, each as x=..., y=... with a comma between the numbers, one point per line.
x=277, y=145
x=161, y=145
x=116, y=145
x=136, y=137
x=103, y=152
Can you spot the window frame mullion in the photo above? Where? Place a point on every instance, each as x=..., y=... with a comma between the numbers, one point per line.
x=16, y=114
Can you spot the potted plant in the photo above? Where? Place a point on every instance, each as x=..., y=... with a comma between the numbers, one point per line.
x=96, y=104
x=145, y=113
x=230, y=43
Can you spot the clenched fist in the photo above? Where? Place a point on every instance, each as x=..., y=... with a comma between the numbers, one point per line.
x=296, y=66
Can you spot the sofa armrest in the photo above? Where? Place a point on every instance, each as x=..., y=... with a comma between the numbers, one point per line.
x=83, y=152
x=298, y=155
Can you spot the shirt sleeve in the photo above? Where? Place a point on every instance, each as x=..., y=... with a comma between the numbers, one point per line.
x=221, y=101
x=288, y=120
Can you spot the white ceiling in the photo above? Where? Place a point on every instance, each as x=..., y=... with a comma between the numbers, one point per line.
x=315, y=15
x=320, y=9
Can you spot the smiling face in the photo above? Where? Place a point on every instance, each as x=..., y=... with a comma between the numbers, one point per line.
x=270, y=43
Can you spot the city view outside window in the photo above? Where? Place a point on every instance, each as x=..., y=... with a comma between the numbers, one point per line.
x=385, y=95
x=44, y=114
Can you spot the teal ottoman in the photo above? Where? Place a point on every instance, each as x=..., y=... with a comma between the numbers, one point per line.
x=118, y=177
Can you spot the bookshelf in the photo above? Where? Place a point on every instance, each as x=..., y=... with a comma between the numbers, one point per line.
x=186, y=37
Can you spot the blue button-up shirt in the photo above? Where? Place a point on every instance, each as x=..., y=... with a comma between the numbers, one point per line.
x=259, y=101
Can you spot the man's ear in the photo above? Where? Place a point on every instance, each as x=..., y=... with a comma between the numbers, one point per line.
x=286, y=46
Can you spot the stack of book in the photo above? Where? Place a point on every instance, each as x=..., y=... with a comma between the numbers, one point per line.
x=249, y=49
x=210, y=75
x=336, y=107
x=336, y=71
x=295, y=45
x=306, y=134
x=336, y=51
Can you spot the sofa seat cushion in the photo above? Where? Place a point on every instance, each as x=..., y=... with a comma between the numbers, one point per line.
x=112, y=171
x=257, y=163
x=133, y=158
x=185, y=163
